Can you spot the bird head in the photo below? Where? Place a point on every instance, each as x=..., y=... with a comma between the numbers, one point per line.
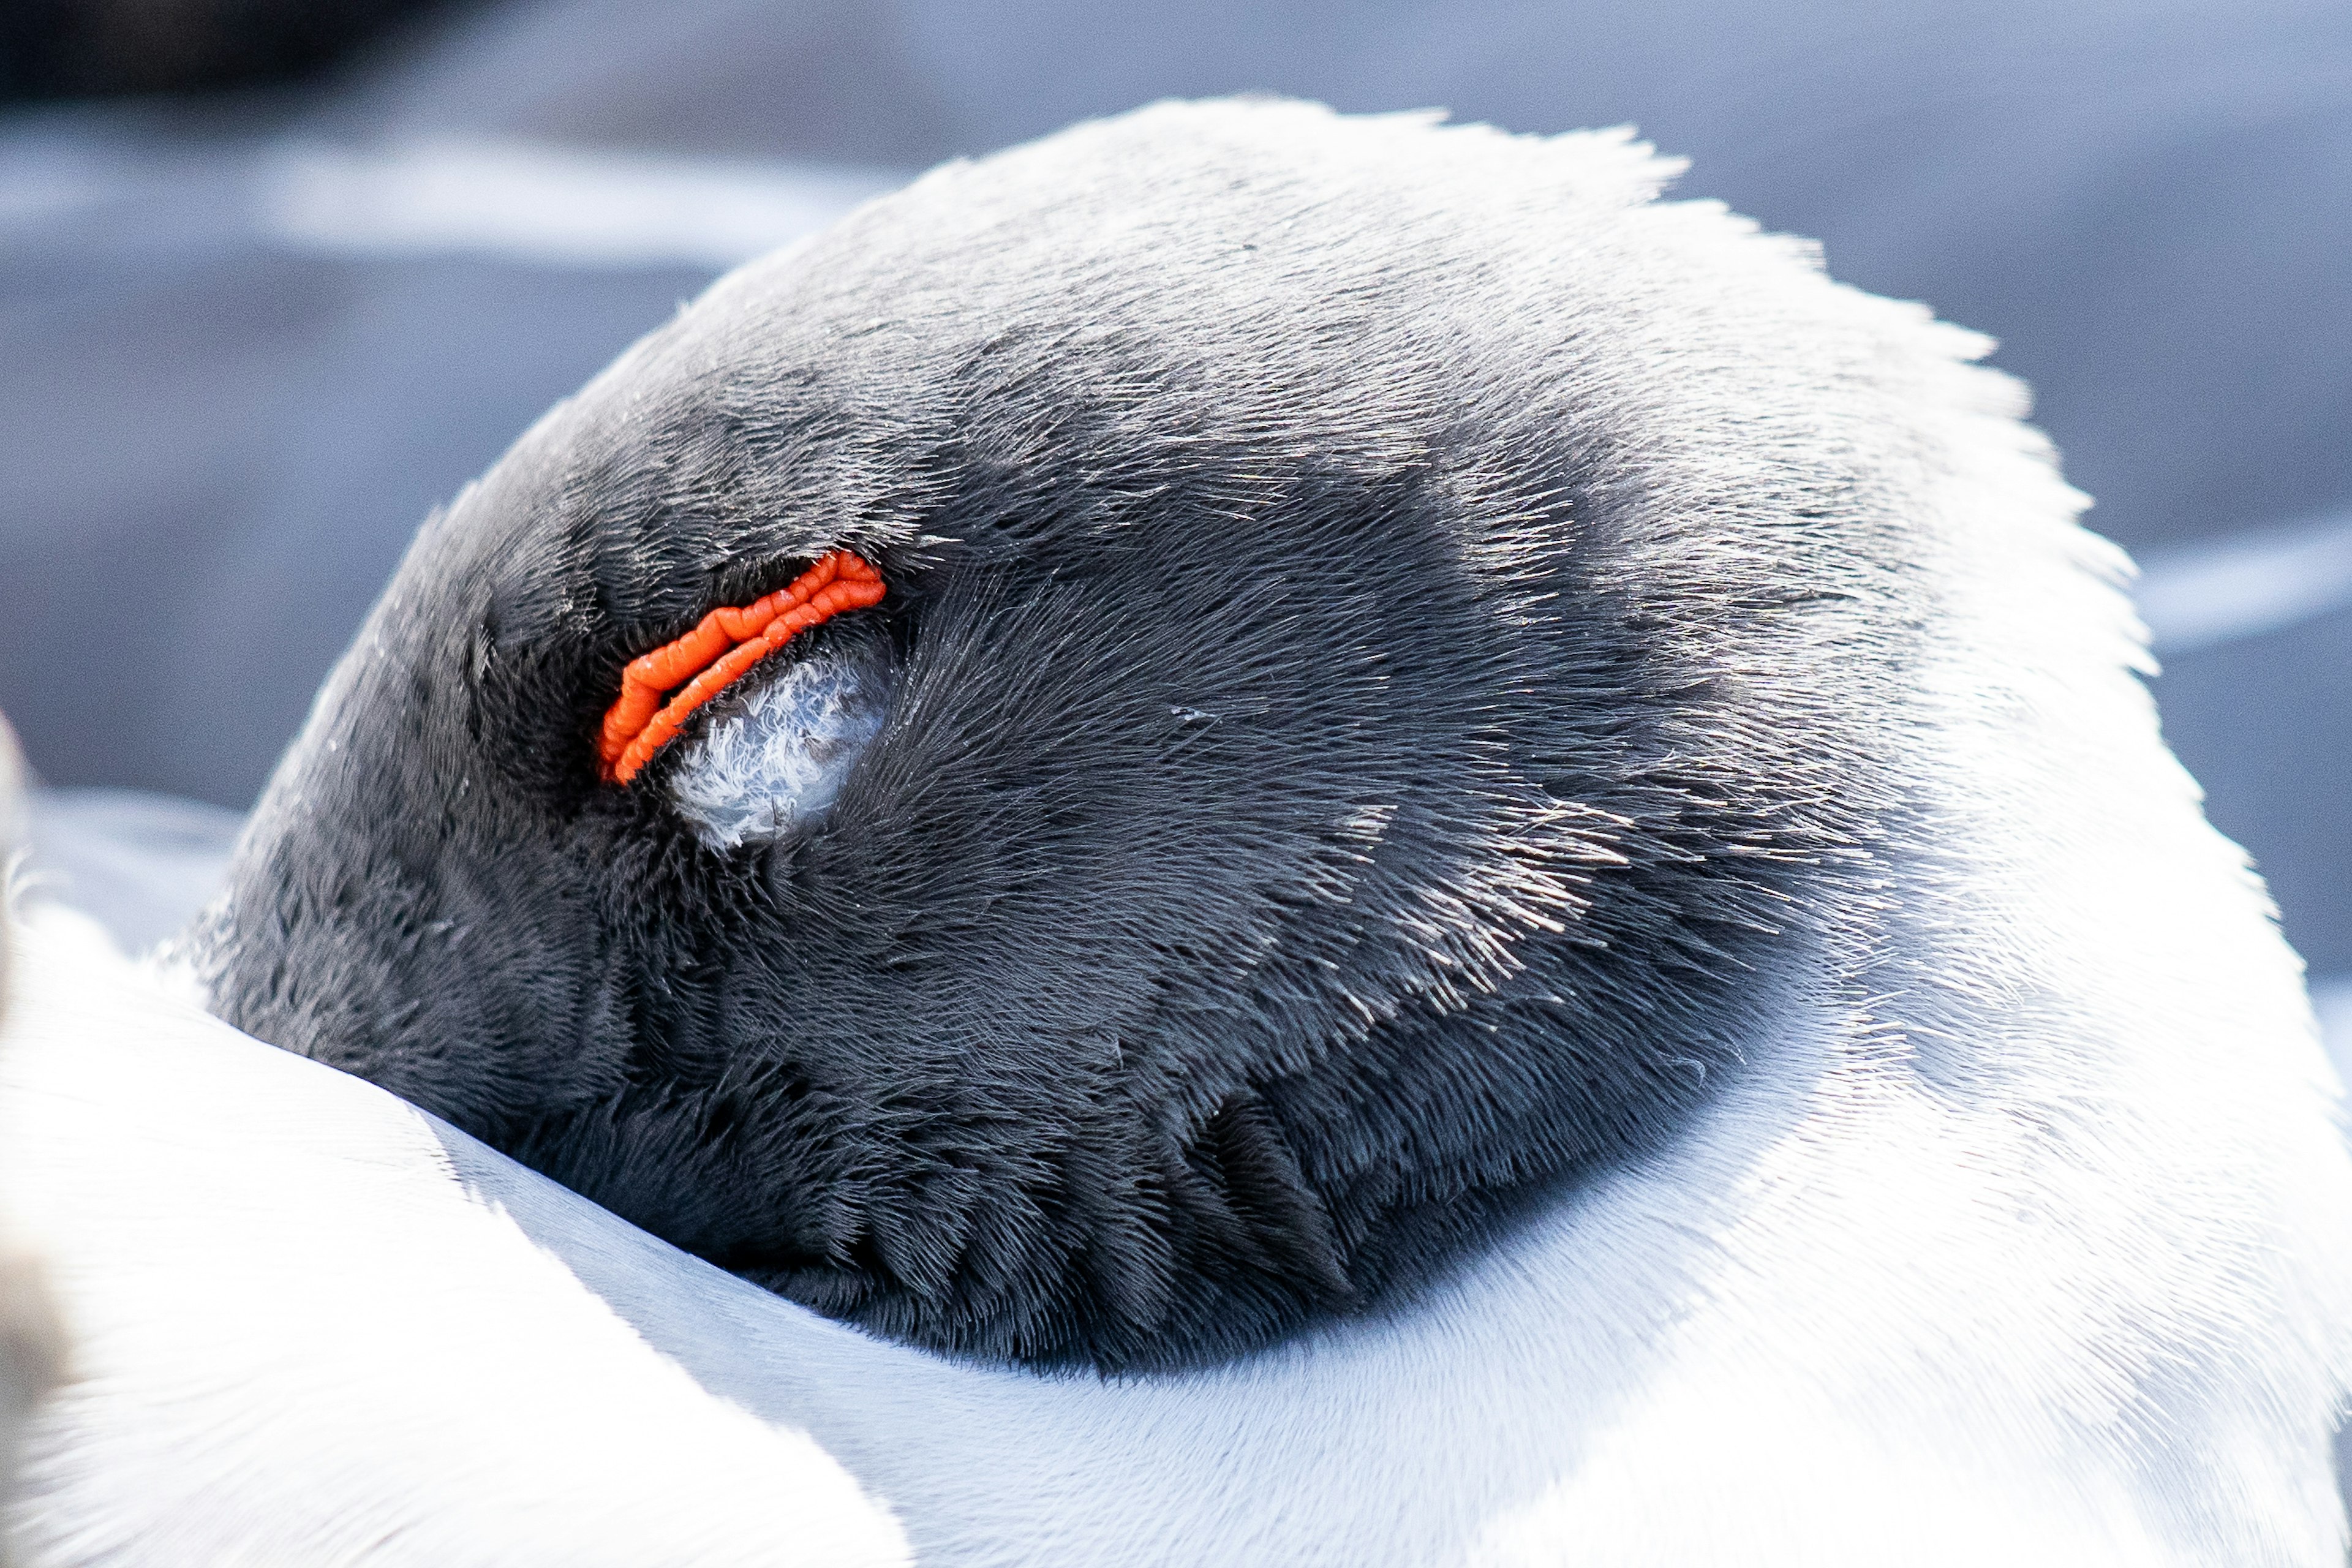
x=1366, y=696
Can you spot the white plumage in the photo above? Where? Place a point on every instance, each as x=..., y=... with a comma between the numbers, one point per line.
x=781, y=755
x=1838, y=1325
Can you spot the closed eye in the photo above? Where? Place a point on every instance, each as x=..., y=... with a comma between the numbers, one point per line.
x=717, y=652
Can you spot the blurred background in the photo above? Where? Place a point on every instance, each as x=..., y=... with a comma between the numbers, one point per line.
x=279, y=276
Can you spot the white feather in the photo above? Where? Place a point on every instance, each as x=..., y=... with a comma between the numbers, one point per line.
x=781, y=756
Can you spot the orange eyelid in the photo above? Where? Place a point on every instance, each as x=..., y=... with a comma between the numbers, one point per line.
x=722, y=645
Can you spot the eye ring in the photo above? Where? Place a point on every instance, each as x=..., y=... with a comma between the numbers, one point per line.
x=723, y=646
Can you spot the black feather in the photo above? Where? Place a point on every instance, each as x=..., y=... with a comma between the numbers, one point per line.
x=1361, y=754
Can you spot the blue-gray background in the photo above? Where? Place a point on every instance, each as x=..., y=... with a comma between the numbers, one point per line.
x=248, y=342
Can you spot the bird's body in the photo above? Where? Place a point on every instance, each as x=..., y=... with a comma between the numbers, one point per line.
x=315, y=1325
x=29, y=1348
x=1517, y=903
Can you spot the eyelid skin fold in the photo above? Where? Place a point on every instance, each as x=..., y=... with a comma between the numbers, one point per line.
x=724, y=645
